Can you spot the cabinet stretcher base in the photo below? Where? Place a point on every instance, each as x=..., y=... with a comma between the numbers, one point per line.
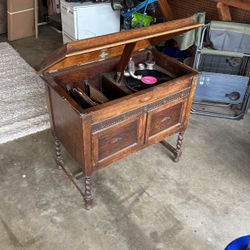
x=83, y=183
x=175, y=151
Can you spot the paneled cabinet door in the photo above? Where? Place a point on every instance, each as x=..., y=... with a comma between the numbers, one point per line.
x=165, y=120
x=118, y=140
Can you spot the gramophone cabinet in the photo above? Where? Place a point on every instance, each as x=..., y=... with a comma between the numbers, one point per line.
x=102, y=133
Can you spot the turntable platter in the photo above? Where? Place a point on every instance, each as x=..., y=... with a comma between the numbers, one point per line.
x=149, y=78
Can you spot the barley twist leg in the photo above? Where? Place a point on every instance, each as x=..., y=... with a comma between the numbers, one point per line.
x=59, y=158
x=88, y=194
x=178, y=147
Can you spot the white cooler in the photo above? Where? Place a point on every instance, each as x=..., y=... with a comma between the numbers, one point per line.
x=85, y=20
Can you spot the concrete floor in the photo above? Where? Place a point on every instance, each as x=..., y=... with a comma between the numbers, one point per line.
x=143, y=202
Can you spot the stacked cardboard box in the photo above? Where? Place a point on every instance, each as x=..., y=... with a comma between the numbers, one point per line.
x=20, y=19
x=3, y=17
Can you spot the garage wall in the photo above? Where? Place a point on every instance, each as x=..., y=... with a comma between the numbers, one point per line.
x=185, y=8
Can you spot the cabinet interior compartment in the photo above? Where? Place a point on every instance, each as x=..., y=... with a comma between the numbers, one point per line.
x=100, y=77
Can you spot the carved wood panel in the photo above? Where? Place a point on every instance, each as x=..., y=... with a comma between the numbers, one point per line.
x=116, y=141
x=165, y=120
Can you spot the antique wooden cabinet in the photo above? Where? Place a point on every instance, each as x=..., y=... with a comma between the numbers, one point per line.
x=99, y=132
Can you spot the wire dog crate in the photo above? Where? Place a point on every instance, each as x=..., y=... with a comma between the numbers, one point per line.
x=232, y=65
x=223, y=86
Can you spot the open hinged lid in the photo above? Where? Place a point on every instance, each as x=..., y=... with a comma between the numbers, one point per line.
x=122, y=43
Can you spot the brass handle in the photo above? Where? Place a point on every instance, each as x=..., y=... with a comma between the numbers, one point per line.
x=166, y=118
x=115, y=140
